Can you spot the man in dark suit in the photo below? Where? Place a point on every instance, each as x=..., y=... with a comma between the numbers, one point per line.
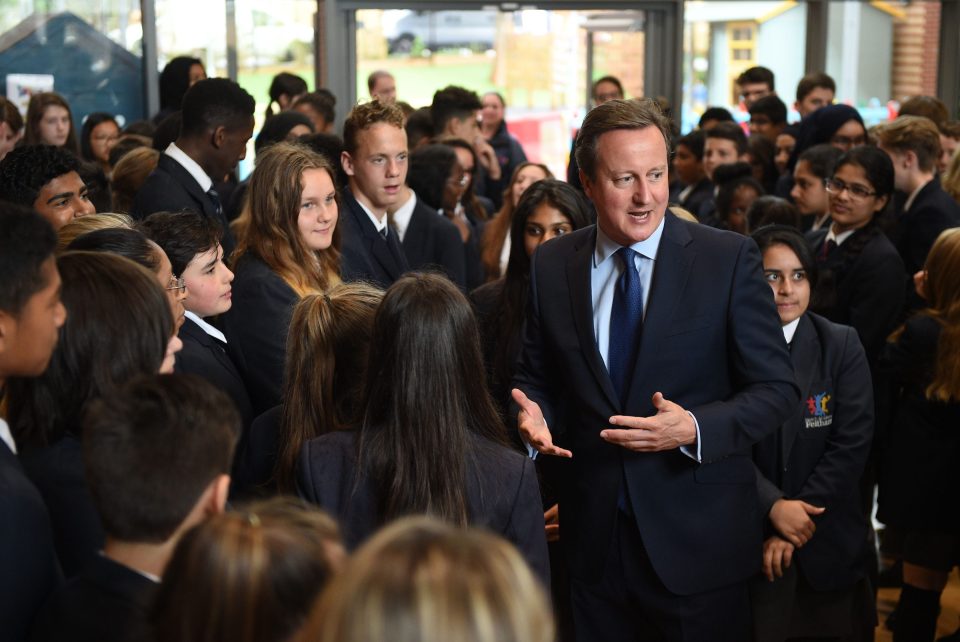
x=654, y=352
x=375, y=161
x=913, y=144
x=217, y=123
x=157, y=459
x=30, y=316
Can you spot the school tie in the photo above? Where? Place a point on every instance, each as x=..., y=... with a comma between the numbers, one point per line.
x=215, y=199
x=828, y=247
x=626, y=317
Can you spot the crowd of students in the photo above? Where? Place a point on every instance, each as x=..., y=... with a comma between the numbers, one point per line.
x=344, y=327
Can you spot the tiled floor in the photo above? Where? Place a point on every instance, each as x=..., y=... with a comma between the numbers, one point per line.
x=949, y=609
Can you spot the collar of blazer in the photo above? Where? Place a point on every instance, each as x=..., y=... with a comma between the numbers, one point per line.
x=186, y=180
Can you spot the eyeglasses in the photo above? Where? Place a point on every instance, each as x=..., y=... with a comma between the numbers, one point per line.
x=178, y=284
x=835, y=187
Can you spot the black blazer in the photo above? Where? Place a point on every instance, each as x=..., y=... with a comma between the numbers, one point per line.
x=107, y=602
x=253, y=473
x=207, y=357
x=256, y=328
x=433, y=242
x=861, y=285
x=818, y=454
x=57, y=472
x=29, y=571
x=919, y=479
x=701, y=193
x=915, y=230
x=365, y=255
x=502, y=493
x=711, y=342
x=171, y=188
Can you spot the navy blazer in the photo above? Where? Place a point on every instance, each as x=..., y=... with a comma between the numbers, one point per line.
x=433, y=242
x=820, y=452
x=171, y=188
x=711, y=342
x=107, y=602
x=919, y=480
x=861, y=285
x=256, y=328
x=502, y=493
x=57, y=472
x=207, y=357
x=915, y=230
x=29, y=571
x=365, y=254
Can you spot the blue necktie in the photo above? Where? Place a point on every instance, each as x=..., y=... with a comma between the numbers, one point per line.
x=626, y=317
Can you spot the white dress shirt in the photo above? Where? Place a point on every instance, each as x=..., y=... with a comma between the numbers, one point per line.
x=401, y=218
x=206, y=327
x=7, y=436
x=190, y=165
x=379, y=223
x=790, y=329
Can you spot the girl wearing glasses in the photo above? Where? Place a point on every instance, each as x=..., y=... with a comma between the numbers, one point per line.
x=815, y=535
x=863, y=282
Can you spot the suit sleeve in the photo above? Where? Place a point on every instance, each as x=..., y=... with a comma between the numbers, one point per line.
x=526, y=527
x=848, y=444
x=761, y=371
x=768, y=491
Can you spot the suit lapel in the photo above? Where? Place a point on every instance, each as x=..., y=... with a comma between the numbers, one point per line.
x=579, y=268
x=670, y=272
x=189, y=183
x=377, y=245
x=805, y=354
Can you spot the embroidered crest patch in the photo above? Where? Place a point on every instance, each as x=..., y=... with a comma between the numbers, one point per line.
x=818, y=413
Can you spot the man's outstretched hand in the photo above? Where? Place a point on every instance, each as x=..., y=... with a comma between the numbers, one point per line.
x=533, y=427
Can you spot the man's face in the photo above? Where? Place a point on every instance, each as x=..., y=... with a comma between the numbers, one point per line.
x=377, y=169
x=901, y=176
x=630, y=190
x=28, y=340
x=232, y=148
x=606, y=91
x=948, y=147
x=8, y=139
x=819, y=97
x=208, y=283
x=492, y=111
x=761, y=125
x=467, y=128
x=717, y=152
x=751, y=92
x=63, y=199
x=385, y=90
x=688, y=167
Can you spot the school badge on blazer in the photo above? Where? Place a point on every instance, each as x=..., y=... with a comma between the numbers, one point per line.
x=817, y=412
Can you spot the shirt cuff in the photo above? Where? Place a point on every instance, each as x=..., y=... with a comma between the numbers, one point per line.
x=692, y=450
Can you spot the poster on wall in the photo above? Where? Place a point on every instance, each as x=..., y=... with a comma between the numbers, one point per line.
x=21, y=86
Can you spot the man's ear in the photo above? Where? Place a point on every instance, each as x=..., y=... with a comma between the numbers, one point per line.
x=6, y=328
x=215, y=501
x=218, y=136
x=586, y=183
x=346, y=161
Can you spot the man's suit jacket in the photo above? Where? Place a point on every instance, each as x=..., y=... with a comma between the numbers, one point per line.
x=711, y=342
x=433, y=242
x=29, y=571
x=365, y=254
x=107, y=602
x=819, y=453
x=256, y=329
x=502, y=493
x=171, y=188
x=860, y=285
